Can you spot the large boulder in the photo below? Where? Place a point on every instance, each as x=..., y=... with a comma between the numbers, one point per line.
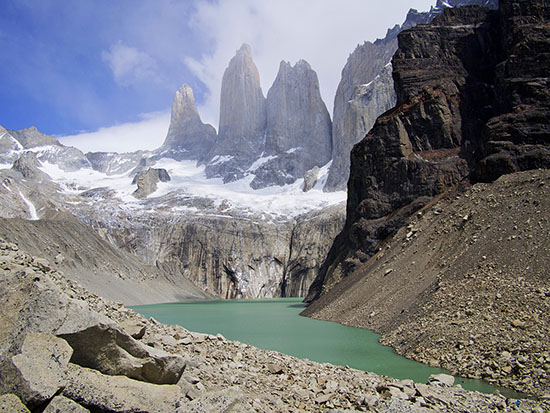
x=37, y=373
x=117, y=393
x=147, y=181
x=10, y=403
x=61, y=404
x=107, y=348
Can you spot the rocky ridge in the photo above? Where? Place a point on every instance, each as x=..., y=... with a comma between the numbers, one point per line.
x=95, y=263
x=142, y=365
x=160, y=230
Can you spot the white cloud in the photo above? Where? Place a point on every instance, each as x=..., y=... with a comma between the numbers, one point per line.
x=323, y=32
x=147, y=133
x=129, y=65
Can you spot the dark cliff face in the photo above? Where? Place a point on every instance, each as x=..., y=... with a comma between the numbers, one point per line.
x=472, y=104
x=366, y=90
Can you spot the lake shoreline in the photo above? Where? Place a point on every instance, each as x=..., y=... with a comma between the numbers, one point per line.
x=198, y=316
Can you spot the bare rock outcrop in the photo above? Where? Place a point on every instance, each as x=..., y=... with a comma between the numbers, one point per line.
x=188, y=137
x=28, y=166
x=147, y=181
x=32, y=137
x=242, y=119
x=298, y=132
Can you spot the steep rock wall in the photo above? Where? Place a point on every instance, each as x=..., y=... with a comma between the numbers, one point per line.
x=468, y=108
x=231, y=257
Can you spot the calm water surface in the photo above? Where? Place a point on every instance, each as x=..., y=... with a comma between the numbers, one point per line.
x=275, y=324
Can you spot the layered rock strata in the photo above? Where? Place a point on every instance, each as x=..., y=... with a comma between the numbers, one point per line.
x=449, y=81
x=217, y=374
x=231, y=256
x=366, y=89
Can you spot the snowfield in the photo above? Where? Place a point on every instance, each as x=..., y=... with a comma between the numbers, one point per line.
x=190, y=180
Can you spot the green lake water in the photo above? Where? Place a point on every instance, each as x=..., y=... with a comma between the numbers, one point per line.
x=275, y=324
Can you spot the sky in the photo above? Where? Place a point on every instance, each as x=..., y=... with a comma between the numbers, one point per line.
x=101, y=74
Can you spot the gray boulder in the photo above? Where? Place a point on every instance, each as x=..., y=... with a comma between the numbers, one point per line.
x=107, y=348
x=117, y=393
x=10, y=403
x=37, y=373
x=61, y=404
x=147, y=181
x=444, y=380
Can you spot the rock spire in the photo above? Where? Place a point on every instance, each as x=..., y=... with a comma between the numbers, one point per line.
x=298, y=133
x=242, y=119
x=188, y=137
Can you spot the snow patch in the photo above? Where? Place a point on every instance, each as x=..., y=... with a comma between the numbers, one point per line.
x=216, y=160
x=259, y=162
x=30, y=205
x=189, y=180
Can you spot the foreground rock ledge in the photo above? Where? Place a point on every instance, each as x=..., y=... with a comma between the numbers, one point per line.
x=218, y=375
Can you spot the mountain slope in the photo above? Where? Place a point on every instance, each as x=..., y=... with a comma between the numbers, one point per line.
x=464, y=286
x=88, y=259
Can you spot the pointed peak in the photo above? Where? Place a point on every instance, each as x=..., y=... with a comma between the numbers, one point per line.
x=284, y=65
x=186, y=93
x=245, y=50
x=302, y=64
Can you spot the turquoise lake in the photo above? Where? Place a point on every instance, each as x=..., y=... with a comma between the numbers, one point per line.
x=275, y=324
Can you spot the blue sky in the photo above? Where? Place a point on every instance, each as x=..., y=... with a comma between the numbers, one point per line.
x=111, y=67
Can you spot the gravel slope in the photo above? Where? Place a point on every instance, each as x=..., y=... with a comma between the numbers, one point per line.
x=464, y=286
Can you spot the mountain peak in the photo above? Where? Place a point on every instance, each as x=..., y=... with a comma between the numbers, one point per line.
x=245, y=50
x=187, y=135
